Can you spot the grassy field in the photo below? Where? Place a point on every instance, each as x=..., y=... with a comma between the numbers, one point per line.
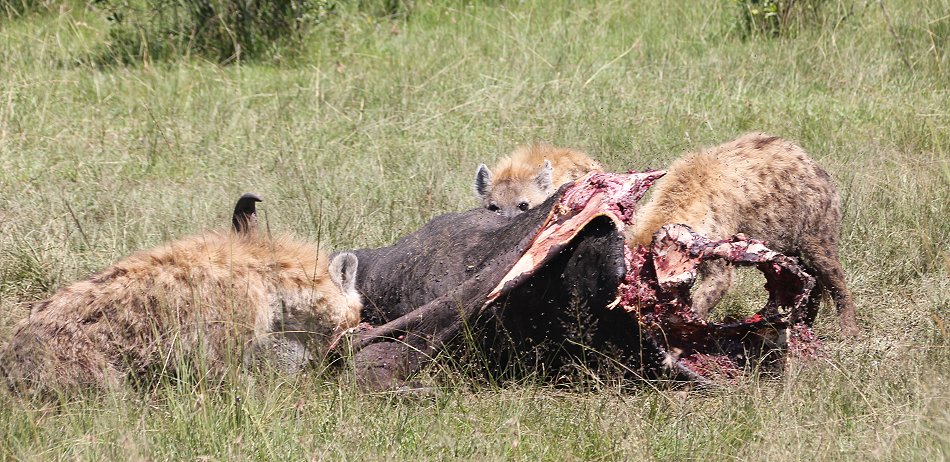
x=378, y=126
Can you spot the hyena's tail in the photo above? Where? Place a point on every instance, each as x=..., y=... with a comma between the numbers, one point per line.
x=244, y=219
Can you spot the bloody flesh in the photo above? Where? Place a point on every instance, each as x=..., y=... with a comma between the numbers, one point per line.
x=656, y=287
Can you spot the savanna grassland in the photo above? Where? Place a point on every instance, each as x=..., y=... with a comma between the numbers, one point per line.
x=377, y=124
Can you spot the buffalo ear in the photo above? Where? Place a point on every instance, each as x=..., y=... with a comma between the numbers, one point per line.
x=343, y=271
x=244, y=219
x=482, y=181
x=544, y=177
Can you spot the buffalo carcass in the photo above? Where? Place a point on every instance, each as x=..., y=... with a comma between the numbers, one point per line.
x=558, y=286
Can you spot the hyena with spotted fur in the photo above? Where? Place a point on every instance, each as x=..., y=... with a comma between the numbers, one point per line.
x=215, y=298
x=765, y=187
x=528, y=176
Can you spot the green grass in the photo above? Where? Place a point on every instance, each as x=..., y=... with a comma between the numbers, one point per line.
x=378, y=127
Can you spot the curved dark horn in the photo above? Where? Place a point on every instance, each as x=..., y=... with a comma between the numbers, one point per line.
x=244, y=219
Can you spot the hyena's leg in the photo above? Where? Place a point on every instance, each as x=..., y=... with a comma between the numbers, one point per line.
x=715, y=278
x=822, y=256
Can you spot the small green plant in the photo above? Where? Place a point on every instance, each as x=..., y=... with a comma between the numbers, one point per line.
x=385, y=8
x=220, y=30
x=938, y=34
x=225, y=31
x=27, y=272
x=775, y=18
x=14, y=8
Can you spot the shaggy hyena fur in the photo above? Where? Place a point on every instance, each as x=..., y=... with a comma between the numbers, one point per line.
x=528, y=176
x=765, y=187
x=216, y=300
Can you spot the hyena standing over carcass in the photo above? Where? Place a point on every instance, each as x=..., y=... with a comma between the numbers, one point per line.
x=762, y=186
x=212, y=298
x=528, y=176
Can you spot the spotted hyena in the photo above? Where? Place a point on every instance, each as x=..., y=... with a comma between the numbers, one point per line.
x=528, y=176
x=763, y=186
x=226, y=298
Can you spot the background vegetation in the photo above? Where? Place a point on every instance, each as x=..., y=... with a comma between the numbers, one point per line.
x=372, y=120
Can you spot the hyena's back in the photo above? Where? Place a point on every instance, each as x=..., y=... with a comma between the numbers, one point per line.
x=210, y=296
x=763, y=186
x=758, y=184
x=566, y=164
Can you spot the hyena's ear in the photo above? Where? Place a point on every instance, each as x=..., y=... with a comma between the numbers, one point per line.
x=482, y=181
x=244, y=219
x=343, y=271
x=544, y=177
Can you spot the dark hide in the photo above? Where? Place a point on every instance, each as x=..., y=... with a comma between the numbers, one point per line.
x=557, y=320
x=421, y=292
x=444, y=254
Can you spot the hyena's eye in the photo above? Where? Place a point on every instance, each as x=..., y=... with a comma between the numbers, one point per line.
x=493, y=207
x=523, y=206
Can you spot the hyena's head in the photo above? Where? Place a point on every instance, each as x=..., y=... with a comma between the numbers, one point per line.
x=343, y=274
x=515, y=188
